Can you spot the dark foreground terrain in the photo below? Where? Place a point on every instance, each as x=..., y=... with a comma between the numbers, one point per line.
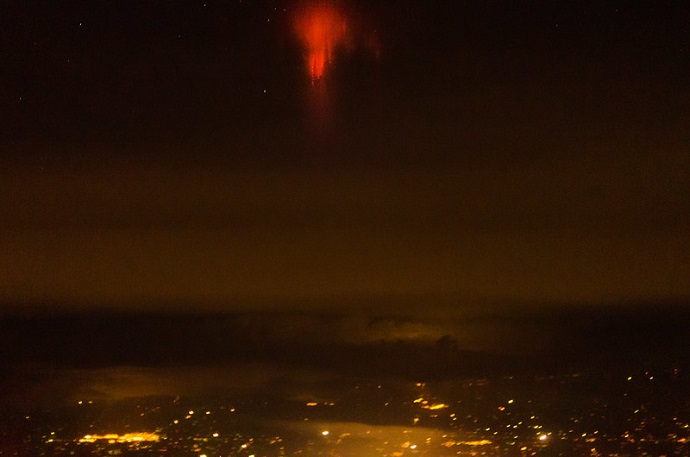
x=252, y=384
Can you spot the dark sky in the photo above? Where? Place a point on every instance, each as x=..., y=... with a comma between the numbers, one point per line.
x=412, y=156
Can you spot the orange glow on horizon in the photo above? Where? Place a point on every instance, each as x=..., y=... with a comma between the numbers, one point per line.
x=322, y=28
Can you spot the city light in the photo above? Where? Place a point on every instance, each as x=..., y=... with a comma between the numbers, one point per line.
x=445, y=426
x=126, y=438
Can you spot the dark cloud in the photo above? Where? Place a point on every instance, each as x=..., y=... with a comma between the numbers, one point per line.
x=53, y=360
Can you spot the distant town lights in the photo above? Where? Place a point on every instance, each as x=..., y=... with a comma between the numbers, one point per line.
x=115, y=438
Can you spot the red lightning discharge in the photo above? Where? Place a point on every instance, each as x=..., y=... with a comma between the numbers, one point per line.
x=321, y=28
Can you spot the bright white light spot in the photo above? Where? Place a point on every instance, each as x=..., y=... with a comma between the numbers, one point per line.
x=325, y=433
x=542, y=437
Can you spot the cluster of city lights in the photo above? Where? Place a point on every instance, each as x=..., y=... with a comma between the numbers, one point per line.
x=126, y=438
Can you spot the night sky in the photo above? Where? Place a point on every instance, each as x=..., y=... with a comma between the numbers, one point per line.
x=420, y=160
